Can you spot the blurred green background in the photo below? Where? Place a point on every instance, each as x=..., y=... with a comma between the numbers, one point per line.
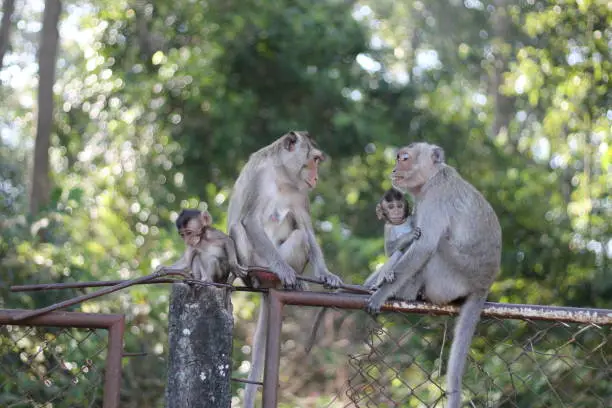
x=158, y=104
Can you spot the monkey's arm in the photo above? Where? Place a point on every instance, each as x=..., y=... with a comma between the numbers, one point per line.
x=403, y=242
x=412, y=261
x=320, y=268
x=232, y=259
x=183, y=264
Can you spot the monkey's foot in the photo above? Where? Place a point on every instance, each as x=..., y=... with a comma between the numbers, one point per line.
x=330, y=280
x=375, y=302
x=286, y=275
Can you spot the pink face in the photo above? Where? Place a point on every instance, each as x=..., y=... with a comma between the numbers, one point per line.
x=395, y=210
x=312, y=168
x=404, y=167
x=192, y=233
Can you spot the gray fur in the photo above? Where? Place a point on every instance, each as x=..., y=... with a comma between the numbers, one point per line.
x=458, y=254
x=269, y=220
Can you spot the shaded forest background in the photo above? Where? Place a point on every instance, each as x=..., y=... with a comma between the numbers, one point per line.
x=117, y=114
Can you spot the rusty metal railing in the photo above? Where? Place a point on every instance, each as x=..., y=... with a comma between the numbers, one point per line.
x=113, y=323
x=495, y=311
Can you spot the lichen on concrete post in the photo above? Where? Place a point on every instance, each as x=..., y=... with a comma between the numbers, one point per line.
x=200, y=344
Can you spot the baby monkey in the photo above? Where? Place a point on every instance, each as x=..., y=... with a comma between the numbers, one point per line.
x=395, y=210
x=210, y=254
x=400, y=233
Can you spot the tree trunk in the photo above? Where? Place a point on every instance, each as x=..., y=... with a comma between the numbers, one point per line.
x=47, y=55
x=503, y=105
x=8, y=8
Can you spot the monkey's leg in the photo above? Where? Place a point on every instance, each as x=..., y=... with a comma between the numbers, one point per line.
x=443, y=284
x=244, y=252
x=387, y=289
x=372, y=280
x=212, y=270
x=258, y=353
x=410, y=290
x=295, y=251
x=387, y=271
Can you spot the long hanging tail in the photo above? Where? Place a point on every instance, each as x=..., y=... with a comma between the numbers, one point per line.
x=315, y=328
x=258, y=353
x=462, y=339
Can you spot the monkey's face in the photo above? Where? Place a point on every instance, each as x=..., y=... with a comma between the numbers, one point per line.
x=301, y=159
x=395, y=211
x=192, y=232
x=406, y=167
x=415, y=164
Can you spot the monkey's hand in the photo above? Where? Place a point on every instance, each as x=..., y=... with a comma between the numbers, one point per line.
x=389, y=276
x=417, y=233
x=375, y=302
x=285, y=273
x=330, y=280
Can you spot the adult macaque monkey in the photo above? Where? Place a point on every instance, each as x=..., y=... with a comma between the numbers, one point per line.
x=210, y=254
x=458, y=254
x=269, y=220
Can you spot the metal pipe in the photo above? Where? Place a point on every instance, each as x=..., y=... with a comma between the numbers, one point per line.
x=112, y=372
x=101, y=292
x=79, y=285
x=61, y=319
x=344, y=286
x=245, y=381
x=271, y=368
x=97, y=284
x=491, y=309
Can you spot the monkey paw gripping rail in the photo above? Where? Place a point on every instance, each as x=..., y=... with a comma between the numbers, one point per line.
x=557, y=351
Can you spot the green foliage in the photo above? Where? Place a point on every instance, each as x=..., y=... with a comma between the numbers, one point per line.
x=160, y=103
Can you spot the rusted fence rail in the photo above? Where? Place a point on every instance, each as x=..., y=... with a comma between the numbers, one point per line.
x=522, y=355
x=63, y=359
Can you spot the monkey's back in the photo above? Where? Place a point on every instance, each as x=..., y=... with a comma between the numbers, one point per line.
x=473, y=226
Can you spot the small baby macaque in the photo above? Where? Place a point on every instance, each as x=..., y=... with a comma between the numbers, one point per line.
x=400, y=232
x=210, y=254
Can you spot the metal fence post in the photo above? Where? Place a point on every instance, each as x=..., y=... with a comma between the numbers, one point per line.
x=271, y=369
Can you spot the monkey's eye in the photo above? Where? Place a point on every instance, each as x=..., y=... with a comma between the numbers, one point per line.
x=403, y=156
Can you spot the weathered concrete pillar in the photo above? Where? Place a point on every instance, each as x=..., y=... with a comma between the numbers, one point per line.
x=200, y=327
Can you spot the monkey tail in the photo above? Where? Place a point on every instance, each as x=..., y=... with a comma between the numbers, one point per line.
x=315, y=329
x=258, y=353
x=462, y=339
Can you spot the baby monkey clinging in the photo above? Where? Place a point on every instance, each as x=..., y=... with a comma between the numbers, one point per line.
x=400, y=232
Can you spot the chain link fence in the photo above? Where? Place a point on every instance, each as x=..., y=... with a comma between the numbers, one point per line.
x=522, y=356
x=512, y=363
x=49, y=363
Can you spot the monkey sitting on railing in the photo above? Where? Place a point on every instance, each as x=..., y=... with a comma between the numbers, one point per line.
x=210, y=254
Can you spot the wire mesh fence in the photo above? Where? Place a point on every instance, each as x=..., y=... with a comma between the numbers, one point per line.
x=51, y=366
x=521, y=356
x=62, y=359
x=512, y=363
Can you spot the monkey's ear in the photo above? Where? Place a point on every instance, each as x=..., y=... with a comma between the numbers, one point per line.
x=437, y=154
x=206, y=219
x=290, y=141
